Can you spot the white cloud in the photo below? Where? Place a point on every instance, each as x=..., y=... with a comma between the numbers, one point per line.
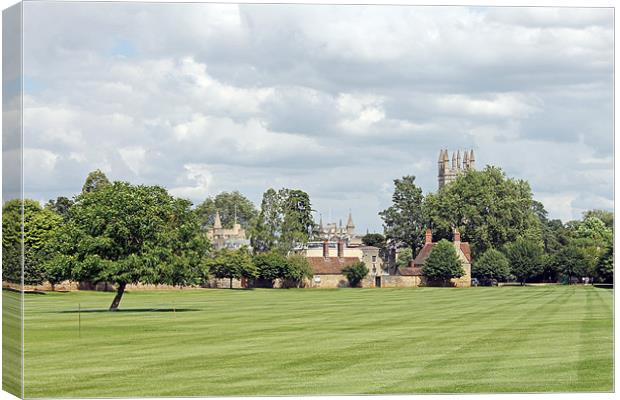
x=134, y=157
x=338, y=100
x=200, y=179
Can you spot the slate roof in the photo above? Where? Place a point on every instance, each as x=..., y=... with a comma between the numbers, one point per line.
x=330, y=265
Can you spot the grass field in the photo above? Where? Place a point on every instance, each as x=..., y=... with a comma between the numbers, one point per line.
x=343, y=341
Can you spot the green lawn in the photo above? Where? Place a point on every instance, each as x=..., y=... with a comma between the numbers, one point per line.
x=343, y=341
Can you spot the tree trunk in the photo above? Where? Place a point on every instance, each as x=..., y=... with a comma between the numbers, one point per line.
x=119, y=294
x=231, y=282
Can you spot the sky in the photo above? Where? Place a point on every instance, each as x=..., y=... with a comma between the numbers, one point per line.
x=335, y=100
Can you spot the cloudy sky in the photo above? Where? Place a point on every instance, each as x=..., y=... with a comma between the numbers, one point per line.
x=334, y=100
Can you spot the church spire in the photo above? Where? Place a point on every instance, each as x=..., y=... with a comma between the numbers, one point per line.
x=218, y=222
x=350, y=223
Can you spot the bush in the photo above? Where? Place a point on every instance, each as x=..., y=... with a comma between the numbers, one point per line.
x=270, y=266
x=492, y=264
x=525, y=257
x=355, y=273
x=297, y=269
x=443, y=263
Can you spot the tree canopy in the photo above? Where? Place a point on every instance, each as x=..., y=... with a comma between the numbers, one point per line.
x=231, y=206
x=489, y=210
x=40, y=225
x=443, y=263
x=525, y=258
x=233, y=264
x=94, y=181
x=284, y=221
x=492, y=264
x=404, y=221
x=123, y=234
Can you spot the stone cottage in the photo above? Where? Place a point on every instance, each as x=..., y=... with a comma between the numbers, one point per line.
x=412, y=276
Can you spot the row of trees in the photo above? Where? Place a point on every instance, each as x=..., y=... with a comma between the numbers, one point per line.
x=498, y=215
x=125, y=234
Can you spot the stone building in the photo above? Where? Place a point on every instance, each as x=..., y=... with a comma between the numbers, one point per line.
x=333, y=232
x=328, y=264
x=447, y=172
x=412, y=275
x=221, y=237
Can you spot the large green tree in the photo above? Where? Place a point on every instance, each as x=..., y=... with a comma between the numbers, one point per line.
x=233, y=264
x=270, y=266
x=284, y=222
x=39, y=227
x=571, y=262
x=124, y=234
x=404, y=221
x=488, y=208
x=231, y=206
x=526, y=258
x=593, y=238
x=492, y=264
x=442, y=264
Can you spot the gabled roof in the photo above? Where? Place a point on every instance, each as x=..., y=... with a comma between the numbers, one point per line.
x=426, y=251
x=330, y=265
x=423, y=254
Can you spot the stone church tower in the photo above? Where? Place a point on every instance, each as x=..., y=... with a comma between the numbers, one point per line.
x=449, y=171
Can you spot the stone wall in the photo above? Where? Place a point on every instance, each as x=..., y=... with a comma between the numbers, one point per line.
x=400, y=281
x=46, y=286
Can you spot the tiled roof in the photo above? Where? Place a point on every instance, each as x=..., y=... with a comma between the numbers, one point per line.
x=410, y=271
x=466, y=250
x=330, y=265
x=426, y=250
x=423, y=254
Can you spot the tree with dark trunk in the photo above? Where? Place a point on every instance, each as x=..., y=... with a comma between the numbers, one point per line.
x=127, y=234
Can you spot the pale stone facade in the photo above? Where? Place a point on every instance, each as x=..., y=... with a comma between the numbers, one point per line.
x=220, y=237
x=448, y=173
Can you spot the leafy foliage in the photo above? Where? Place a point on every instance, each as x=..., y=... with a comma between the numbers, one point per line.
x=232, y=264
x=284, y=222
x=230, y=205
x=60, y=206
x=94, y=181
x=124, y=234
x=571, y=262
x=489, y=210
x=525, y=257
x=374, y=239
x=404, y=257
x=443, y=263
x=604, y=271
x=270, y=265
x=492, y=264
x=607, y=217
x=39, y=226
x=355, y=273
x=298, y=269
x=404, y=221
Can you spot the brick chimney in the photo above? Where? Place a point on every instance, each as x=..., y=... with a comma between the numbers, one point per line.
x=340, y=248
x=457, y=236
x=429, y=236
x=325, y=249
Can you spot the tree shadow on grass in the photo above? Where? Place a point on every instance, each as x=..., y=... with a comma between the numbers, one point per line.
x=128, y=310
